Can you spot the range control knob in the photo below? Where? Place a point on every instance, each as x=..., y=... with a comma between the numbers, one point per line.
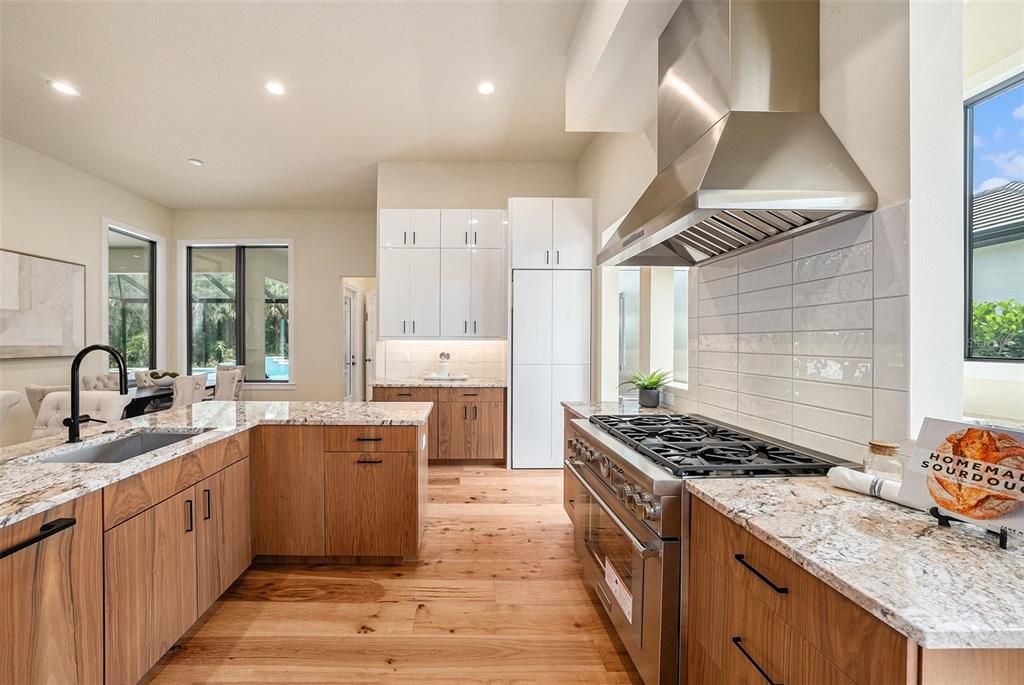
x=626, y=492
x=651, y=511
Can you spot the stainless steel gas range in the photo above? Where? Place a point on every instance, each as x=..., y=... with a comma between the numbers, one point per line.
x=632, y=517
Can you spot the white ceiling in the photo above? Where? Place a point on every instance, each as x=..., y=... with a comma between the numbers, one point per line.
x=367, y=81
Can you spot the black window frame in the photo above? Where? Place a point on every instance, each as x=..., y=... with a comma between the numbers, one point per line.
x=112, y=228
x=239, y=301
x=969, y=243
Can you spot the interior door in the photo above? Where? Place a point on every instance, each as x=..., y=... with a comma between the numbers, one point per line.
x=424, y=294
x=456, y=230
x=571, y=312
x=572, y=233
x=393, y=227
x=487, y=294
x=487, y=228
x=531, y=417
x=456, y=286
x=531, y=316
x=425, y=228
x=348, y=343
x=370, y=343
x=569, y=383
x=225, y=531
x=530, y=221
x=393, y=283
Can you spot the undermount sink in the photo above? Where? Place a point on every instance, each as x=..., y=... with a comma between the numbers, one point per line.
x=119, y=450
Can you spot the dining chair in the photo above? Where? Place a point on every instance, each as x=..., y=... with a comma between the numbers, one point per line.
x=104, y=405
x=36, y=394
x=228, y=386
x=102, y=381
x=189, y=390
x=8, y=399
x=143, y=380
x=236, y=389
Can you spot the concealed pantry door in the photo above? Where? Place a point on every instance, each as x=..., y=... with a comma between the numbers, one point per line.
x=393, y=227
x=569, y=383
x=487, y=228
x=393, y=286
x=425, y=228
x=572, y=234
x=456, y=288
x=531, y=416
x=455, y=227
x=571, y=315
x=530, y=224
x=531, y=316
x=424, y=293
x=488, y=302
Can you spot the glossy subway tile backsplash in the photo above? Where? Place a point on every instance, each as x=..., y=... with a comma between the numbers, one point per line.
x=413, y=359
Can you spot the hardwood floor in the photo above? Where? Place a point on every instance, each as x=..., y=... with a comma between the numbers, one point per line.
x=495, y=599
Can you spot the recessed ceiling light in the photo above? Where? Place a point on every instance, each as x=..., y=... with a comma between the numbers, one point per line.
x=195, y=162
x=274, y=87
x=64, y=87
x=485, y=88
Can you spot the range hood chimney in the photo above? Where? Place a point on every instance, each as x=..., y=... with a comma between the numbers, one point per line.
x=744, y=156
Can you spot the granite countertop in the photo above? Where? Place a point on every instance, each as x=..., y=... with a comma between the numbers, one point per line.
x=944, y=588
x=29, y=487
x=587, y=409
x=439, y=383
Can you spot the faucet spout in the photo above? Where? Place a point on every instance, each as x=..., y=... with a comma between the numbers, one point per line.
x=76, y=419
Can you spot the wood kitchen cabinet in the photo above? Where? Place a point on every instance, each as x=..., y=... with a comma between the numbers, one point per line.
x=51, y=591
x=225, y=531
x=388, y=394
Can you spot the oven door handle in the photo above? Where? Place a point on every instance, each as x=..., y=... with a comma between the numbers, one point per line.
x=643, y=550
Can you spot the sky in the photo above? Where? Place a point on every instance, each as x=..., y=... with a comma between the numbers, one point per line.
x=999, y=139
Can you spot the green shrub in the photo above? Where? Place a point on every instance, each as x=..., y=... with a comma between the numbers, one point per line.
x=997, y=329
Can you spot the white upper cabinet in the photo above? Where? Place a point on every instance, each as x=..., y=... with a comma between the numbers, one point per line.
x=393, y=293
x=487, y=228
x=530, y=222
x=455, y=227
x=425, y=227
x=393, y=228
x=572, y=233
x=409, y=285
x=425, y=293
x=551, y=233
x=487, y=293
x=456, y=289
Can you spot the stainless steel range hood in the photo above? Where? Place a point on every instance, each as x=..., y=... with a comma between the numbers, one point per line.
x=744, y=155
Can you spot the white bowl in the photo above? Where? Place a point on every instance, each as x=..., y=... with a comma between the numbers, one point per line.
x=164, y=382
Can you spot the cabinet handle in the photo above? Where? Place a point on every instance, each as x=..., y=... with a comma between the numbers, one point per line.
x=467, y=238
x=369, y=461
x=209, y=505
x=474, y=238
x=414, y=326
x=474, y=412
x=189, y=527
x=369, y=439
x=465, y=413
x=405, y=239
x=743, y=560
x=465, y=327
x=404, y=394
x=547, y=256
x=46, y=530
x=403, y=325
x=558, y=257
x=470, y=394
x=414, y=237
x=738, y=641
x=474, y=326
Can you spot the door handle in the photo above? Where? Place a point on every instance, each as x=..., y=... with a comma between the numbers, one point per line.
x=474, y=238
x=189, y=523
x=474, y=412
x=465, y=327
x=465, y=413
x=474, y=326
x=414, y=326
x=467, y=238
x=403, y=325
x=414, y=237
x=558, y=257
x=547, y=256
x=46, y=530
x=209, y=505
x=405, y=240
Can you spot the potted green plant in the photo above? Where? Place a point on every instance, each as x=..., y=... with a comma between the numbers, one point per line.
x=649, y=386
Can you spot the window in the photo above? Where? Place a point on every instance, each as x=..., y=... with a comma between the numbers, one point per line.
x=131, y=297
x=995, y=223
x=629, y=324
x=680, y=324
x=239, y=310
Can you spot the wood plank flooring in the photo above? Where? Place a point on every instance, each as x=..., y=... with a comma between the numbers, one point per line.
x=495, y=599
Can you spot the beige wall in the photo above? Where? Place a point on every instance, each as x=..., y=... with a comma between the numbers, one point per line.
x=53, y=210
x=993, y=41
x=328, y=245
x=614, y=170
x=470, y=185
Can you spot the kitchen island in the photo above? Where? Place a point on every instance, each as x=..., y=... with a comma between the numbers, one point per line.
x=106, y=565
x=851, y=586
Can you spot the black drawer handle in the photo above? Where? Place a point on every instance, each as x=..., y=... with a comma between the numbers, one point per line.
x=189, y=522
x=369, y=461
x=403, y=394
x=46, y=530
x=743, y=560
x=738, y=641
x=470, y=394
x=209, y=505
x=369, y=439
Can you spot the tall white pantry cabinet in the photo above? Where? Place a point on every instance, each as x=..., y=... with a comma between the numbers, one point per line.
x=552, y=258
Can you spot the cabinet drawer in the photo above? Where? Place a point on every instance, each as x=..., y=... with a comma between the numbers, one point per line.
x=471, y=394
x=370, y=438
x=387, y=394
x=840, y=629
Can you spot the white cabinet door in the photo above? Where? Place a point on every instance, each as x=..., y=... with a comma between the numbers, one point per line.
x=393, y=227
x=393, y=289
x=456, y=230
x=487, y=228
x=531, y=416
x=531, y=317
x=456, y=286
x=571, y=314
x=569, y=383
x=488, y=301
x=530, y=226
x=424, y=293
x=425, y=228
x=572, y=233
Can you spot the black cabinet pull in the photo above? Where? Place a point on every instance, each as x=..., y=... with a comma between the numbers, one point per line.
x=369, y=439
x=405, y=394
x=474, y=412
x=46, y=530
x=209, y=505
x=465, y=412
x=738, y=641
x=743, y=560
x=189, y=527
x=369, y=461
x=470, y=394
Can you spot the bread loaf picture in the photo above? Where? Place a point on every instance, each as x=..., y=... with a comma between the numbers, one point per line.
x=981, y=445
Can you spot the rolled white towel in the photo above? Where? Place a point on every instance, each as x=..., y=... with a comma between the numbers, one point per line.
x=866, y=484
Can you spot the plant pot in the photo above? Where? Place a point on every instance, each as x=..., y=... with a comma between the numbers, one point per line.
x=650, y=397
